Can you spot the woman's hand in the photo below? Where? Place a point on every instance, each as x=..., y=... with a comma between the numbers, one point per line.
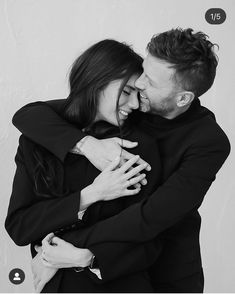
x=58, y=253
x=100, y=152
x=41, y=273
x=114, y=181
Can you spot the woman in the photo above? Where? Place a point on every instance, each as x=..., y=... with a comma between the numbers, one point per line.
x=48, y=192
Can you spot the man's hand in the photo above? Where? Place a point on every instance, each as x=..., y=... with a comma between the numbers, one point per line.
x=58, y=253
x=101, y=152
x=41, y=273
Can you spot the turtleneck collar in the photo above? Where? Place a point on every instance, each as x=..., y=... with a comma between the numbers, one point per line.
x=194, y=112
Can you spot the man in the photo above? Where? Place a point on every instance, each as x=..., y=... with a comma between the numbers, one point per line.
x=179, y=68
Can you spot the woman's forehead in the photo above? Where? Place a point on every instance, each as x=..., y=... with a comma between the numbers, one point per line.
x=131, y=82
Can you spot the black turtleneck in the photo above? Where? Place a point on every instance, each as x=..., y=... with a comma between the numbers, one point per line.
x=192, y=148
x=175, y=136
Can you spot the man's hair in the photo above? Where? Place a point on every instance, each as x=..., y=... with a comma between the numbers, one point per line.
x=191, y=55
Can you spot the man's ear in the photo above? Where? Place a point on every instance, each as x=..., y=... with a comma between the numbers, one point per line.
x=185, y=98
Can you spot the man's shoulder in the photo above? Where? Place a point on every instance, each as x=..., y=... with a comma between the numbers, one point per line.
x=207, y=127
x=206, y=133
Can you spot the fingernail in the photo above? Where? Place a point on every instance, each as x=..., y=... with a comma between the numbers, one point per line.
x=148, y=168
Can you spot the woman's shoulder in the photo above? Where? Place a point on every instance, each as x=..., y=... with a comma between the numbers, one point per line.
x=24, y=157
x=26, y=147
x=28, y=150
x=25, y=142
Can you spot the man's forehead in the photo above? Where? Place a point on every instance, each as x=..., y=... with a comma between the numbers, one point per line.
x=157, y=68
x=156, y=62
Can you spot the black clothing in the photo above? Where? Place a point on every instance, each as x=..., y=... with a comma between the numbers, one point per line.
x=31, y=215
x=193, y=148
x=191, y=284
x=72, y=282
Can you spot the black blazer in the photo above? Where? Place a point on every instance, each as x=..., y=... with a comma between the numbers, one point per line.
x=192, y=147
x=31, y=216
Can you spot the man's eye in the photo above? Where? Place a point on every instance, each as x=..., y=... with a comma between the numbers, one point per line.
x=126, y=92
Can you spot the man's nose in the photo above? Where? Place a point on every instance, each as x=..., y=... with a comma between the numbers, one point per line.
x=139, y=83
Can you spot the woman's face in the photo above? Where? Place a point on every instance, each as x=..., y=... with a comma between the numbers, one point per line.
x=128, y=101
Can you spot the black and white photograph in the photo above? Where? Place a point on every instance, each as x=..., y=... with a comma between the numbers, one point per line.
x=116, y=146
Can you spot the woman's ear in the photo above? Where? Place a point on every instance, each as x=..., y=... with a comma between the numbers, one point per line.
x=185, y=98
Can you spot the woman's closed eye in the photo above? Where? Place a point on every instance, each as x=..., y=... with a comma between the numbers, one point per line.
x=126, y=92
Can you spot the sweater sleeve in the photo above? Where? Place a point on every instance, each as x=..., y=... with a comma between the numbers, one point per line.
x=118, y=259
x=41, y=122
x=30, y=217
x=181, y=193
x=125, y=258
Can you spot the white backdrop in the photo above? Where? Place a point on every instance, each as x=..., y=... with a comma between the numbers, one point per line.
x=38, y=42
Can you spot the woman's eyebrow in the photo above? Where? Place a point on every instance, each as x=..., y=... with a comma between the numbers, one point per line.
x=131, y=87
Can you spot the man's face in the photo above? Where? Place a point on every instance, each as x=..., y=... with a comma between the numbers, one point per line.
x=158, y=89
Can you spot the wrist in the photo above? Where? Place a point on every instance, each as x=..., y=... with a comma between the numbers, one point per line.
x=82, y=257
x=79, y=147
x=85, y=144
x=88, y=196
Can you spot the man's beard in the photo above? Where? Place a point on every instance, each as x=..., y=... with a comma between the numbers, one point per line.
x=145, y=107
x=163, y=110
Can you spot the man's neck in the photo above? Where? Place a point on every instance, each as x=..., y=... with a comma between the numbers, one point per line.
x=176, y=112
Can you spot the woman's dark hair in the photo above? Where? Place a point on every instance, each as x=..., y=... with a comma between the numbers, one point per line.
x=102, y=63
x=92, y=71
x=191, y=55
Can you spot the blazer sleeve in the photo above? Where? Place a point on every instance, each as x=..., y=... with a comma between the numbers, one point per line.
x=30, y=217
x=125, y=258
x=118, y=259
x=182, y=192
x=41, y=122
